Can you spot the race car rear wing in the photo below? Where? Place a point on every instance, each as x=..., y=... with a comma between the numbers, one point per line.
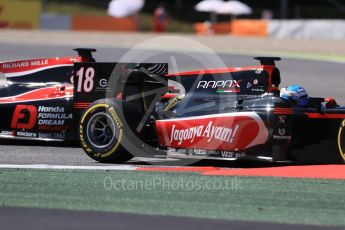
x=268, y=60
x=86, y=54
x=140, y=83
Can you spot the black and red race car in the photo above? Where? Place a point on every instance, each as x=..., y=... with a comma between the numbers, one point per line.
x=122, y=110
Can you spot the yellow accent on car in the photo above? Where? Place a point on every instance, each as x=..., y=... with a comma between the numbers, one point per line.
x=339, y=140
x=115, y=147
x=117, y=121
x=119, y=124
x=92, y=108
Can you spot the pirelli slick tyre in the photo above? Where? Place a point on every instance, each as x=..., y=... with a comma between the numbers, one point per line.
x=341, y=141
x=102, y=132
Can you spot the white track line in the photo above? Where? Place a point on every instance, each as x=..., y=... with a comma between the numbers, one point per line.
x=70, y=167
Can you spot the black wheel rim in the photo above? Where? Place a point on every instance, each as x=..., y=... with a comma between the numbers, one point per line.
x=101, y=130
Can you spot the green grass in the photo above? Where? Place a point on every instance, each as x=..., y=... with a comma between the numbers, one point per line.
x=145, y=19
x=306, y=201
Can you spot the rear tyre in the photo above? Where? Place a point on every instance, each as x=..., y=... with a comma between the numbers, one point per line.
x=102, y=133
x=341, y=141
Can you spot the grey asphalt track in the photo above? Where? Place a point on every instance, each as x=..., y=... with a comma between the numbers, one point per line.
x=30, y=218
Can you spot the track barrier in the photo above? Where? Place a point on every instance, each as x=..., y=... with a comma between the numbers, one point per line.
x=103, y=23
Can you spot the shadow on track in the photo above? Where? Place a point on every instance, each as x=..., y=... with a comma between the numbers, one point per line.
x=309, y=157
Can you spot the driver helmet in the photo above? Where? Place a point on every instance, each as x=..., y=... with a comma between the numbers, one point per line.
x=295, y=93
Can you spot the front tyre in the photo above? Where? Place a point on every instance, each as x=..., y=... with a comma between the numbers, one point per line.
x=341, y=140
x=102, y=133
